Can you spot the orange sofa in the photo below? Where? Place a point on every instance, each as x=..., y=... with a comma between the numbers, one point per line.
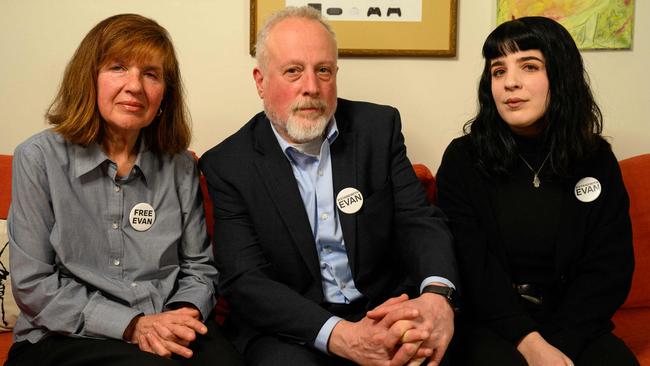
x=632, y=320
x=5, y=198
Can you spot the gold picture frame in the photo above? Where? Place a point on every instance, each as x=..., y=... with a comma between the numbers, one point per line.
x=433, y=36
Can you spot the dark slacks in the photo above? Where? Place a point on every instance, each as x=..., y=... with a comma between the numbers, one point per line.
x=210, y=349
x=477, y=346
x=271, y=351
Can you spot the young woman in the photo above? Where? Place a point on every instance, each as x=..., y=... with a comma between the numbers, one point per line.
x=538, y=208
x=110, y=260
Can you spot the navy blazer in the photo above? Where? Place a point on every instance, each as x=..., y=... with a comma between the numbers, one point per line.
x=265, y=249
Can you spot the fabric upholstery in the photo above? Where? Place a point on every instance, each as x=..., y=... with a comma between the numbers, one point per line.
x=636, y=175
x=5, y=185
x=633, y=327
x=6, y=339
x=10, y=310
x=427, y=179
x=632, y=320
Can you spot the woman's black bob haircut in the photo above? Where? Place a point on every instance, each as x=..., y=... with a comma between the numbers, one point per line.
x=572, y=123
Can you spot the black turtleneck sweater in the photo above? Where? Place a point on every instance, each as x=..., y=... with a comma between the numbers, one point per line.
x=528, y=217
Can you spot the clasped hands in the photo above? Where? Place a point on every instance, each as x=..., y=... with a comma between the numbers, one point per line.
x=538, y=352
x=166, y=333
x=400, y=331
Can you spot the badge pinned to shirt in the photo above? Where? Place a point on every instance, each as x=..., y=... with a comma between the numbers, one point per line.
x=349, y=200
x=142, y=216
x=587, y=189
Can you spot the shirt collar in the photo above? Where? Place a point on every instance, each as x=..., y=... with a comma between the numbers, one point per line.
x=87, y=158
x=287, y=148
x=145, y=161
x=91, y=157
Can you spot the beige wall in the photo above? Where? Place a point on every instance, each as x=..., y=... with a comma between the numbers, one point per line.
x=435, y=96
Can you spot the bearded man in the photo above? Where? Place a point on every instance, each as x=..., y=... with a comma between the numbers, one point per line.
x=328, y=250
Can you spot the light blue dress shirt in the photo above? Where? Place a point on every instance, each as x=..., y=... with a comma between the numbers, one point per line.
x=313, y=174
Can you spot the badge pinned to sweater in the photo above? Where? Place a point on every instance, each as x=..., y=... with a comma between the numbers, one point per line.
x=142, y=216
x=349, y=200
x=587, y=189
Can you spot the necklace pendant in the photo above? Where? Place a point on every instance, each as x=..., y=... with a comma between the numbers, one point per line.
x=536, y=181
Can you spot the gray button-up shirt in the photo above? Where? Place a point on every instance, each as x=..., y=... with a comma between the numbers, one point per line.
x=78, y=265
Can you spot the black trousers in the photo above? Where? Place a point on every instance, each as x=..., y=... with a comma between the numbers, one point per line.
x=268, y=350
x=478, y=346
x=210, y=349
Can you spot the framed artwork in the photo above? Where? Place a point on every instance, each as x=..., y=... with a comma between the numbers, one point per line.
x=412, y=28
x=594, y=24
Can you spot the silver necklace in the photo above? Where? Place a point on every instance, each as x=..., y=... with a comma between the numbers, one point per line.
x=536, y=181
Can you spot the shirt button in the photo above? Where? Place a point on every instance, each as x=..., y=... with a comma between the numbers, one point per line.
x=324, y=216
x=343, y=285
x=116, y=262
x=115, y=225
x=117, y=188
x=320, y=173
x=133, y=284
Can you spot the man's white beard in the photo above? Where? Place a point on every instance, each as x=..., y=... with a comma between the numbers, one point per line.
x=301, y=130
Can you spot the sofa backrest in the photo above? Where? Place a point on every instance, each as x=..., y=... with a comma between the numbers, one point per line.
x=428, y=181
x=636, y=175
x=5, y=185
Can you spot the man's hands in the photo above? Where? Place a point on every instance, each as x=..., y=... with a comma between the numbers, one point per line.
x=538, y=352
x=167, y=333
x=373, y=342
x=398, y=332
x=436, y=318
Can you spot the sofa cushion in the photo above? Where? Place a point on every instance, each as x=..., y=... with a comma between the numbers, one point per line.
x=632, y=327
x=427, y=180
x=636, y=175
x=9, y=308
x=5, y=185
x=6, y=340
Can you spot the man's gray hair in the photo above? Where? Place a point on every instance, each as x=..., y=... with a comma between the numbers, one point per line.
x=305, y=12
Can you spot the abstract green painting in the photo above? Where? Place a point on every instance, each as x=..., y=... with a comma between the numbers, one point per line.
x=594, y=24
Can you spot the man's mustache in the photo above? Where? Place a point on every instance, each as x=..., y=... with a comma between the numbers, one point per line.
x=309, y=104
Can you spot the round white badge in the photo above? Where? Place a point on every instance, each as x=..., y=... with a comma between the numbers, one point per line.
x=587, y=189
x=349, y=200
x=142, y=216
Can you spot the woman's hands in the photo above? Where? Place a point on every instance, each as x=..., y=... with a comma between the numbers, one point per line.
x=538, y=352
x=166, y=333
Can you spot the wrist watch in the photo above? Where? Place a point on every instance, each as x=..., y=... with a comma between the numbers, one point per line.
x=448, y=292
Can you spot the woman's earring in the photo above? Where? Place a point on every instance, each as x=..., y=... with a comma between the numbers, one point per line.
x=159, y=112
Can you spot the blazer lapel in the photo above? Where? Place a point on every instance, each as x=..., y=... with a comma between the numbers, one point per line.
x=277, y=176
x=344, y=171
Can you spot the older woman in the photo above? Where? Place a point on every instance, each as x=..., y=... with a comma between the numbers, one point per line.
x=110, y=260
x=538, y=208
